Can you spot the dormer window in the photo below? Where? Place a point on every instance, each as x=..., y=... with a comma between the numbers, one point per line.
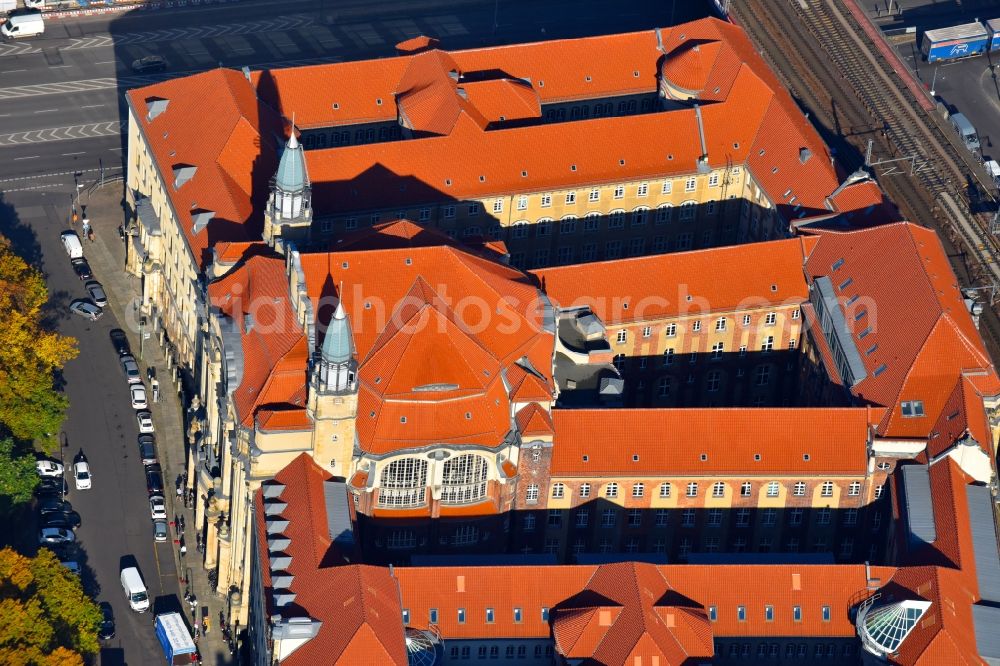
x=912, y=408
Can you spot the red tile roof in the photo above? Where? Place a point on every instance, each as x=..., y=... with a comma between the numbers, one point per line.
x=357, y=605
x=674, y=440
x=920, y=328
x=533, y=420
x=213, y=121
x=284, y=419
x=658, y=286
x=526, y=385
x=274, y=349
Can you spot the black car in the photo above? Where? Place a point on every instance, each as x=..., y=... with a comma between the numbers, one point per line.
x=53, y=505
x=67, y=519
x=147, y=449
x=56, y=520
x=82, y=269
x=51, y=487
x=107, y=630
x=149, y=64
x=120, y=341
x=154, y=480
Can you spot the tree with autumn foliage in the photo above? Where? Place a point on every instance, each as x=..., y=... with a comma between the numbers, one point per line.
x=45, y=617
x=31, y=409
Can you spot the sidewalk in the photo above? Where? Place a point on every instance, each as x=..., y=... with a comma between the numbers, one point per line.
x=106, y=256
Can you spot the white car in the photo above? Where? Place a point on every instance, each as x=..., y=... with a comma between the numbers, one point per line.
x=48, y=468
x=138, y=392
x=81, y=475
x=145, y=421
x=158, y=507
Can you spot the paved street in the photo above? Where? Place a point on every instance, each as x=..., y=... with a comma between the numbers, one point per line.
x=61, y=115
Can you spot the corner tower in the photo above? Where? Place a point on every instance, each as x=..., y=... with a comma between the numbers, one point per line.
x=333, y=396
x=289, y=208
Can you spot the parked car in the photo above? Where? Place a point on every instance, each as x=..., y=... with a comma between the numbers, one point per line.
x=81, y=475
x=154, y=480
x=48, y=468
x=71, y=242
x=120, y=342
x=55, y=535
x=82, y=269
x=147, y=449
x=138, y=392
x=51, y=487
x=149, y=65
x=53, y=505
x=131, y=369
x=70, y=518
x=145, y=421
x=160, y=532
x=86, y=308
x=158, y=507
x=73, y=566
x=55, y=520
x=96, y=291
x=107, y=630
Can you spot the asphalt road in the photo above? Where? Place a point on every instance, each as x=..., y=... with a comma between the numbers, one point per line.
x=61, y=113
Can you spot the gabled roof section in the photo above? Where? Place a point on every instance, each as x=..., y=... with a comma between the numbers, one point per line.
x=914, y=335
x=503, y=99
x=254, y=297
x=646, y=288
x=533, y=420
x=215, y=125
x=708, y=442
x=527, y=383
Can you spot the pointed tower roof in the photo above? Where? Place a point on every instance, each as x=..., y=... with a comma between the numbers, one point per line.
x=291, y=176
x=338, y=343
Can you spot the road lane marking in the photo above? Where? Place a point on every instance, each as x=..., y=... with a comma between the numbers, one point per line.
x=32, y=157
x=34, y=188
x=59, y=66
x=103, y=62
x=77, y=153
x=107, y=128
x=11, y=71
x=92, y=106
x=46, y=111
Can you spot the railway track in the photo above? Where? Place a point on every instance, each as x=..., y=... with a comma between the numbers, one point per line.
x=830, y=68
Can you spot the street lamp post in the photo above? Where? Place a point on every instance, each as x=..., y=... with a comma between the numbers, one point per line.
x=934, y=81
x=142, y=335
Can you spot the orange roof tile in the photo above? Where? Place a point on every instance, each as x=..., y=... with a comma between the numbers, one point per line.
x=503, y=99
x=658, y=286
x=533, y=420
x=213, y=121
x=527, y=385
x=915, y=332
x=416, y=44
x=254, y=298
x=284, y=419
x=731, y=439
x=689, y=65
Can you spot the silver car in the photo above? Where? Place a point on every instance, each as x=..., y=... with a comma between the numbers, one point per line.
x=86, y=308
x=131, y=369
x=96, y=291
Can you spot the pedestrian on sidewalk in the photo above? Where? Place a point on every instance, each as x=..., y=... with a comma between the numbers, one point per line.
x=184, y=549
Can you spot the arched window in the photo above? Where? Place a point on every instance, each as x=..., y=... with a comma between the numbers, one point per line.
x=464, y=479
x=404, y=483
x=639, y=216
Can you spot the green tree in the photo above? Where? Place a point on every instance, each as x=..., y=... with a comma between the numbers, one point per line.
x=45, y=617
x=30, y=407
x=17, y=473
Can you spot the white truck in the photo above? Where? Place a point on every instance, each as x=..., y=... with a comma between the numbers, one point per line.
x=23, y=24
x=993, y=169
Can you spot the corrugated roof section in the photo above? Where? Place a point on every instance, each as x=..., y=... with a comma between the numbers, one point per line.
x=984, y=545
x=919, y=509
x=986, y=620
x=338, y=513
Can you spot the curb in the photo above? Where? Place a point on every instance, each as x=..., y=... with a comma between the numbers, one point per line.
x=146, y=6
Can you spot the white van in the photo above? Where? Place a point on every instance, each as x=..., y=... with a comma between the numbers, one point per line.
x=135, y=590
x=993, y=169
x=72, y=244
x=27, y=24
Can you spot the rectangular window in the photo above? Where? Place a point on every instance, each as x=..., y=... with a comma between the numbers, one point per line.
x=634, y=517
x=638, y=489
x=718, y=489
x=692, y=489
x=582, y=519
x=854, y=489
x=619, y=191
x=432, y=615
x=473, y=209
x=662, y=517
x=531, y=494
x=642, y=190
x=773, y=489
x=517, y=615
x=797, y=613
x=668, y=187
x=570, y=198
x=448, y=212
x=746, y=488
x=770, y=319
x=687, y=518
x=584, y=490
x=769, y=613
x=522, y=202
x=489, y=616
x=696, y=326
x=595, y=195
x=713, y=180
x=546, y=200
x=912, y=408
x=664, y=490
x=498, y=206
x=608, y=518
x=671, y=330
x=461, y=616
x=741, y=613
x=827, y=489
x=690, y=184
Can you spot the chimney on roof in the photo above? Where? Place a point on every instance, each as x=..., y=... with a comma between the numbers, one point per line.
x=804, y=155
x=703, y=159
x=155, y=106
